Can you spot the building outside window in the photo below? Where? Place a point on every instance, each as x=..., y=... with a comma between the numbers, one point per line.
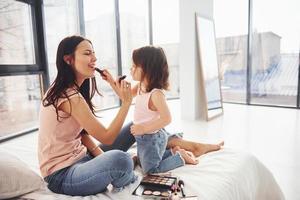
x=274, y=51
x=275, y=59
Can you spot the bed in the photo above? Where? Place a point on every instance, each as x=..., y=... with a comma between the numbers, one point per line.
x=226, y=174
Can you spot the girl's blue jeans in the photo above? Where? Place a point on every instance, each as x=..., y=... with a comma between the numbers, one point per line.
x=152, y=153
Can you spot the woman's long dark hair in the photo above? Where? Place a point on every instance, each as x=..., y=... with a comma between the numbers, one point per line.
x=66, y=77
x=155, y=67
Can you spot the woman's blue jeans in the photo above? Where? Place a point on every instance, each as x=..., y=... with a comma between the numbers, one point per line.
x=91, y=175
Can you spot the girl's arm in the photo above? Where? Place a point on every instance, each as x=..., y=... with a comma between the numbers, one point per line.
x=84, y=116
x=92, y=147
x=159, y=104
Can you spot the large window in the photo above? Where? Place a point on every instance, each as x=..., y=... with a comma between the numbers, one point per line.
x=100, y=28
x=61, y=20
x=275, y=52
x=20, y=98
x=231, y=40
x=16, y=44
x=165, y=22
x=272, y=71
x=134, y=29
x=20, y=94
x=116, y=28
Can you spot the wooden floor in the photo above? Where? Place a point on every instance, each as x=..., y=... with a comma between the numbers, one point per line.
x=271, y=134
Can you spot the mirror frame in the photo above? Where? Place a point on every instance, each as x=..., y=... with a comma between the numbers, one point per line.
x=203, y=78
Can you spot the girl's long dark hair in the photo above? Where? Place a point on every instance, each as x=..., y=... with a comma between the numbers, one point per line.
x=155, y=67
x=66, y=78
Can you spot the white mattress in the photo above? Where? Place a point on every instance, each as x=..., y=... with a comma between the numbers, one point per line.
x=222, y=175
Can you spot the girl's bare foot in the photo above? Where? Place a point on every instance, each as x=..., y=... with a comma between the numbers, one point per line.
x=200, y=149
x=175, y=149
x=188, y=157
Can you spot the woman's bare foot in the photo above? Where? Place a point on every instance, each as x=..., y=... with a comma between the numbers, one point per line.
x=188, y=156
x=200, y=149
x=135, y=160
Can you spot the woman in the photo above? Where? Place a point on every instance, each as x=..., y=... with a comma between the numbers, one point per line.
x=65, y=111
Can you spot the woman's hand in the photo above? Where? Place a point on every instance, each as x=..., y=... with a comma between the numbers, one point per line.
x=137, y=129
x=108, y=77
x=124, y=91
x=115, y=84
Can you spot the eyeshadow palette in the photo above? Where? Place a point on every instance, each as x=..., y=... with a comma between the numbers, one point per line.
x=159, y=181
x=152, y=192
x=153, y=186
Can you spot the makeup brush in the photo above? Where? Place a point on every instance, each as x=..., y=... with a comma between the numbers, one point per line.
x=181, y=185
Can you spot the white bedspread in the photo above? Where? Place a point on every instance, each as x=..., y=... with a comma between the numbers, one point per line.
x=222, y=175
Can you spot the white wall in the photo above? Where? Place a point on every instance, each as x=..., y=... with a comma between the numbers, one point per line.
x=190, y=89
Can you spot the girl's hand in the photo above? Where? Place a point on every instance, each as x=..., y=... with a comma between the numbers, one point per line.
x=124, y=91
x=137, y=129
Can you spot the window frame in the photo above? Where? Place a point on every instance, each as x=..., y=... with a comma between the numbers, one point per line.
x=37, y=19
x=40, y=67
x=249, y=67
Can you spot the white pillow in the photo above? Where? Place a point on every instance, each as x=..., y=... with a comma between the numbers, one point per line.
x=16, y=178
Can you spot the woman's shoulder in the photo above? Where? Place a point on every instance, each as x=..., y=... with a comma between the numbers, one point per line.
x=71, y=92
x=66, y=95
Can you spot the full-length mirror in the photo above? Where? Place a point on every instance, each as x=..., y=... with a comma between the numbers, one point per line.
x=209, y=69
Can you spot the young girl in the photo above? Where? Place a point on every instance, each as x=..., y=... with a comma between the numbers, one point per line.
x=151, y=113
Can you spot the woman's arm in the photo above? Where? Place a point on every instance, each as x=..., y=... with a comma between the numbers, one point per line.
x=84, y=116
x=157, y=103
x=92, y=147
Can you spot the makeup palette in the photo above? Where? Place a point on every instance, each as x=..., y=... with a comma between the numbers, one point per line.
x=156, y=192
x=159, y=181
x=152, y=192
x=156, y=186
